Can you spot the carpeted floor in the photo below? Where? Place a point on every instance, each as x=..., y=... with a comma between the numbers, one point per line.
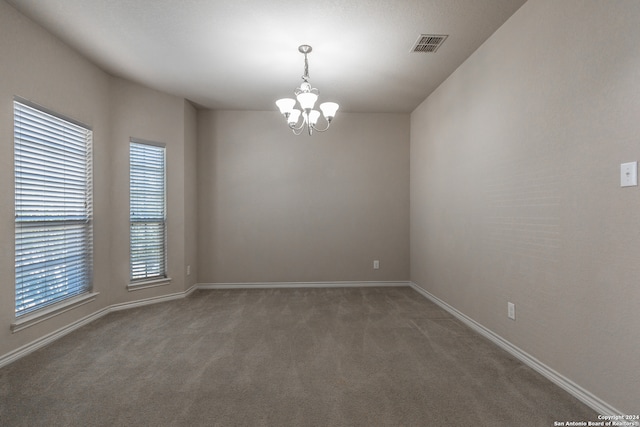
x=280, y=357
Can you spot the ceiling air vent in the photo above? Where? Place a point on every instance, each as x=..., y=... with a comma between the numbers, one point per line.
x=428, y=43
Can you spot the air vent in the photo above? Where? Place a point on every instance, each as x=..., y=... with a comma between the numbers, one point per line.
x=428, y=43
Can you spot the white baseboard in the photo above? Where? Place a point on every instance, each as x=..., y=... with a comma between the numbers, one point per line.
x=152, y=300
x=271, y=285
x=49, y=338
x=55, y=335
x=595, y=403
x=572, y=388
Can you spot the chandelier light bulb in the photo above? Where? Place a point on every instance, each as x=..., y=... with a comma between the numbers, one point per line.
x=329, y=109
x=314, y=115
x=294, y=116
x=285, y=105
x=307, y=100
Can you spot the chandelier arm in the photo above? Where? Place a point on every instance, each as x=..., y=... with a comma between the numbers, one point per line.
x=322, y=130
x=292, y=126
x=298, y=130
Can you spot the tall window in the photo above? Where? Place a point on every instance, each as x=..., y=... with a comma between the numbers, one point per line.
x=53, y=208
x=147, y=211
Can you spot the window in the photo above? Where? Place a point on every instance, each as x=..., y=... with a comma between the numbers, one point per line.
x=147, y=211
x=53, y=208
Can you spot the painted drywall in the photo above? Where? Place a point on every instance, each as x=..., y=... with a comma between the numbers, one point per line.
x=190, y=195
x=38, y=67
x=275, y=207
x=515, y=190
x=147, y=115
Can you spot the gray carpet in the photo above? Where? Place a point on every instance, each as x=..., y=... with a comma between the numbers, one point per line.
x=280, y=357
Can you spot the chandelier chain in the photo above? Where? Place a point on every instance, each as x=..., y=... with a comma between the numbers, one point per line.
x=306, y=69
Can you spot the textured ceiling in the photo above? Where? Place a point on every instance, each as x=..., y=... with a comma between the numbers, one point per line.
x=243, y=54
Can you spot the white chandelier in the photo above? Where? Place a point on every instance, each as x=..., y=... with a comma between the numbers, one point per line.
x=306, y=97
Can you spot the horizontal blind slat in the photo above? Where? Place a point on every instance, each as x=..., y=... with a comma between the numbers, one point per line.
x=53, y=200
x=147, y=194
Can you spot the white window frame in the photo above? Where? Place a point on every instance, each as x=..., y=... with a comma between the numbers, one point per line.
x=53, y=214
x=147, y=208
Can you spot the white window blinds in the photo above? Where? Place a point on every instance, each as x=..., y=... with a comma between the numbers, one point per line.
x=147, y=211
x=53, y=208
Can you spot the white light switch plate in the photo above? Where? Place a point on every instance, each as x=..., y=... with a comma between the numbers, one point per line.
x=629, y=174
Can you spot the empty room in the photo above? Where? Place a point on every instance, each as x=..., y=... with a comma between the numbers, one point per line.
x=338, y=213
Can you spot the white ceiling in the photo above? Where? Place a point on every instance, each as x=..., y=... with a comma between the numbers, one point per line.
x=243, y=54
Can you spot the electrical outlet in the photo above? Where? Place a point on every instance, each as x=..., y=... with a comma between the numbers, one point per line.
x=188, y=270
x=376, y=264
x=511, y=310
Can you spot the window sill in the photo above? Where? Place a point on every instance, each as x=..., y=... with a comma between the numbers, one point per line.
x=51, y=311
x=135, y=286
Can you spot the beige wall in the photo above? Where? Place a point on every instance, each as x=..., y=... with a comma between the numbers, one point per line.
x=38, y=67
x=275, y=207
x=190, y=195
x=149, y=115
x=515, y=191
